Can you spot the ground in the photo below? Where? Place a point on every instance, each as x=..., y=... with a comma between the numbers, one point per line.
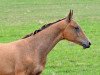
x=20, y=17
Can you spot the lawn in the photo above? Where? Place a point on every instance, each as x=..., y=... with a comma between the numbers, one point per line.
x=20, y=17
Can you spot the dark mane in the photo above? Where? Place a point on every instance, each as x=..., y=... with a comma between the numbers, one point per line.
x=42, y=28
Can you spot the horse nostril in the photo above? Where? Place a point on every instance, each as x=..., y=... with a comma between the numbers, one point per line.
x=89, y=43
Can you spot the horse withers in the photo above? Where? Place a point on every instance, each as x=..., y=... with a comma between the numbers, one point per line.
x=27, y=56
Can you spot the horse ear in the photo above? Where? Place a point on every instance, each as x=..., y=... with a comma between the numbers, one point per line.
x=69, y=17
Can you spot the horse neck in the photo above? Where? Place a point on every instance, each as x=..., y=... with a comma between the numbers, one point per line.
x=46, y=39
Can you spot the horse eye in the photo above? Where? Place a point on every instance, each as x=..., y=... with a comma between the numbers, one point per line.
x=77, y=29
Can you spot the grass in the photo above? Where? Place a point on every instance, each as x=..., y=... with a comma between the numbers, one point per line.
x=20, y=17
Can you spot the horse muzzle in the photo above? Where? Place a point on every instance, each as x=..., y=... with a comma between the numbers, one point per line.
x=86, y=45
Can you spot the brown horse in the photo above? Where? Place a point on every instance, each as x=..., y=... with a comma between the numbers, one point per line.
x=28, y=55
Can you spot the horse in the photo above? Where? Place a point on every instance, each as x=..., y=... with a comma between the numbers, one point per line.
x=27, y=56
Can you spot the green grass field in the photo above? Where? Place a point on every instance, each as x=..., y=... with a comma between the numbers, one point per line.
x=20, y=17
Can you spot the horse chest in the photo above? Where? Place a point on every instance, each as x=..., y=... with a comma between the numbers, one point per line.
x=33, y=67
x=39, y=67
x=30, y=69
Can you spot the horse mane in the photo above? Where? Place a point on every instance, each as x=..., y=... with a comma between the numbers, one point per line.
x=42, y=28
